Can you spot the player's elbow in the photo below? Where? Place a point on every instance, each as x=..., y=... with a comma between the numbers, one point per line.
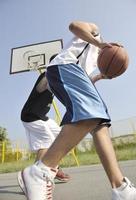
x=73, y=26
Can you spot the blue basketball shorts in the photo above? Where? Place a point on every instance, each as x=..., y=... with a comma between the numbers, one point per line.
x=72, y=86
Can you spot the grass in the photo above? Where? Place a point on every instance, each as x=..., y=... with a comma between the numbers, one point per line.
x=126, y=152
x=86, y=158
x=14, y=166
x=123, y=152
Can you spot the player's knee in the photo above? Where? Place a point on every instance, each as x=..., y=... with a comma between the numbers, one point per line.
x=99, y=127
x=89, y=124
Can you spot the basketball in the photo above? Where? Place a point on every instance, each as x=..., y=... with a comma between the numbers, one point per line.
x=113, y=61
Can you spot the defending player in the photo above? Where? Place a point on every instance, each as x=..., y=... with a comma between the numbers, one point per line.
x=41, y=131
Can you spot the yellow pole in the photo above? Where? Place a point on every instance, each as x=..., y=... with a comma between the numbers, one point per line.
x=17, y=151
x=3, y=151
x=57, y=111
x=75, y=157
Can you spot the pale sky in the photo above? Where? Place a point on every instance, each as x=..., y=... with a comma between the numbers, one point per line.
x=34, y=21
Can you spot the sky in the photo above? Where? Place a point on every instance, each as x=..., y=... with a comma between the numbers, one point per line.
x=34, y=21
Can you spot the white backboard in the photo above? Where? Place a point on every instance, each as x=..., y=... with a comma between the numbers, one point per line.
x=33, y=56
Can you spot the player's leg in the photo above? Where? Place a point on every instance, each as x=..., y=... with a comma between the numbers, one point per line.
x=55, y=130
x=40, y=154
x=40, y=135
x=107, y=155
x=122, y=188
x=68, y=138
x=39, y=140
x=44, y=172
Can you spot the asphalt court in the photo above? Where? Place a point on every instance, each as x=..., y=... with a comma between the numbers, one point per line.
x=87, y=183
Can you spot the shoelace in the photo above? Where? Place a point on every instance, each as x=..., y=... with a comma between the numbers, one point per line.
x=48, y=188
x=131, y=185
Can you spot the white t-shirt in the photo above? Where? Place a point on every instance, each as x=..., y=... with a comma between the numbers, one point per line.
x=87, y=60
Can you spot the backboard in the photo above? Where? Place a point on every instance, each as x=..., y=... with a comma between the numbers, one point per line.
x=33, y=56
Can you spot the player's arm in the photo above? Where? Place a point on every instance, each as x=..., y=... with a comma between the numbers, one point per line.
x=87, y=32
x=42, y=85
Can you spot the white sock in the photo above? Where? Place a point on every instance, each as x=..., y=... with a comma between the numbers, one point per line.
x=40, y=164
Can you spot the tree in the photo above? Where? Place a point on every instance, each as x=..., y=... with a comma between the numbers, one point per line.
x=3, y=134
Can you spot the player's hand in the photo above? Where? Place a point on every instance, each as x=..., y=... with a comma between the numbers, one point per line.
x=116, y=44
x=98, y=77
x=104, y=44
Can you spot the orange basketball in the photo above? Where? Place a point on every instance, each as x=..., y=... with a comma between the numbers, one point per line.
x=113, y=61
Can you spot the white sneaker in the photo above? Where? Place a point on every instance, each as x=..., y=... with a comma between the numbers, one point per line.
x=21, y=182
x=37, y=183
x=126, y=191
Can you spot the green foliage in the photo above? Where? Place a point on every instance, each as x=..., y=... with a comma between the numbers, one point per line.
x=11, y=156
x=125, y=150
x=3, y=134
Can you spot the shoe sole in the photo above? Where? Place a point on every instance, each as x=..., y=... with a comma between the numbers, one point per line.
x=62, y=180
x=21, y=182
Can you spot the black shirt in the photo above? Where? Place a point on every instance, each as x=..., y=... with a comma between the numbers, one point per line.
x=37, y=104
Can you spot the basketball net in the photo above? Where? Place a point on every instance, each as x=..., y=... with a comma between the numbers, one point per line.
x=33, y=61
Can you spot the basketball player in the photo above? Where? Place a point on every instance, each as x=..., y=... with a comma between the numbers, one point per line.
x=69, y=78
x=40, y=129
